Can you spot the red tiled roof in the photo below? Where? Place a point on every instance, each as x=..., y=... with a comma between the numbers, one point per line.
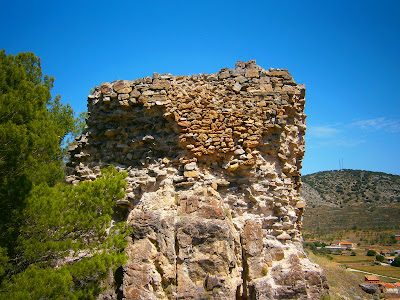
x=371, y=277
x=388, y=285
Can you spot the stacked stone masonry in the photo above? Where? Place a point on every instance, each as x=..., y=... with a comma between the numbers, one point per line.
x=213, y=197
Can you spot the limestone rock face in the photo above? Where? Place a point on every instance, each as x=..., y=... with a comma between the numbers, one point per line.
x=213, y=187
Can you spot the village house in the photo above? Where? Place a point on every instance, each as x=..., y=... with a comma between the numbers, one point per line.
x=347, y=245
x=388, y=288
x=397, y=236
x=371, y=279
x=386, y=252
x=397, y=284
x=389, y=259
x=334, y=248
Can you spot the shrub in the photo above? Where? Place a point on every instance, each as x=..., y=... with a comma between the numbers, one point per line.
x=380, y=258
x=396, y=262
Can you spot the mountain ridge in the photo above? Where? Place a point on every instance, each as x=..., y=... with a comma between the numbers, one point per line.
x=351, y=199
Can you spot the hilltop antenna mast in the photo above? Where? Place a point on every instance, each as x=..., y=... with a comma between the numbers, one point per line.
x=341, y=164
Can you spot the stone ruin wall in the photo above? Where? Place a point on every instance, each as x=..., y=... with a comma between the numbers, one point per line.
x=213, y=192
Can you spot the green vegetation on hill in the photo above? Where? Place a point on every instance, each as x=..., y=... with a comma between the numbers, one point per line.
x=57, y=241
x=351, y=200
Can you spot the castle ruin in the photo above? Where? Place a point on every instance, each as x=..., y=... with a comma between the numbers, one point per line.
x=213, y=194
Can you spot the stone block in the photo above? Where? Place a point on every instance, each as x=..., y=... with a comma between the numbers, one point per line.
x=121, y=85
x=251, y=73
x=191, y=173
x=123, y=96
x=237, y=87
x=224, y=74
x=240, y=65
x=134, y=94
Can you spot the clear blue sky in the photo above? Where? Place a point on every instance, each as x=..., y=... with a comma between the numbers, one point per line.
x=346, y=52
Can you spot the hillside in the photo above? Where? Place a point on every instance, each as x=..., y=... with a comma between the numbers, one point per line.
x=343, y=284
x=351, y=199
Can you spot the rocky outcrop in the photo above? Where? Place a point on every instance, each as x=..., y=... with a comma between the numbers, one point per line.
x=213, y=167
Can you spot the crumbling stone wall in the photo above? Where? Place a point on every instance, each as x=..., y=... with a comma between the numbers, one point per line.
x=214, y=178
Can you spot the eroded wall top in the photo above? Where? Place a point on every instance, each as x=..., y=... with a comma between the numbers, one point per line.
x=225, y=119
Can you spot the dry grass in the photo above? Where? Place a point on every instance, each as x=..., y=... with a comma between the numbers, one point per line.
x=343, y=284
x=381, y=270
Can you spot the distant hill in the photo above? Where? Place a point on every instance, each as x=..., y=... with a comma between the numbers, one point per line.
x=351, y=199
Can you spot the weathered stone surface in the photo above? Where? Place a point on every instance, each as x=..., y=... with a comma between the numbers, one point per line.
x=122, y=86
x=191, y=174
x=369, y=288
x=237, y=87
x=213, y=184
x=134, y=94
x=160, y=84
x=252, y=72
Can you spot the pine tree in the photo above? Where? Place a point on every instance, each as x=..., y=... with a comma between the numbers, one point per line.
x=56, y=240
x=32, y=127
